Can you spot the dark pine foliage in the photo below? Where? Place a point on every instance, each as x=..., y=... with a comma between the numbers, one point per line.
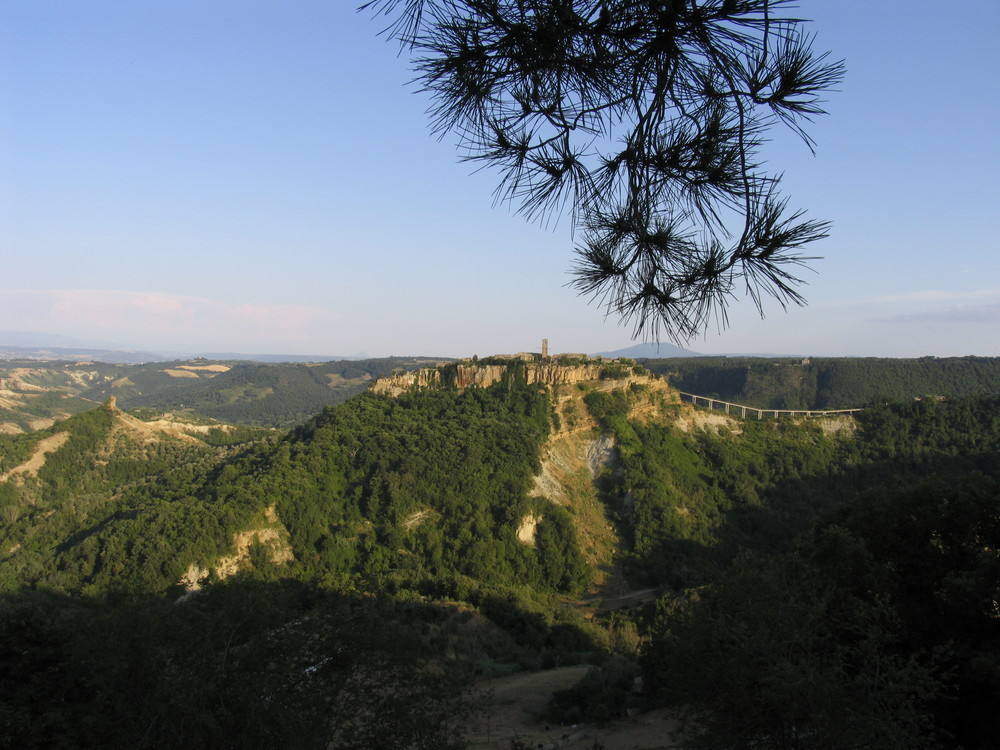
x=643, y=122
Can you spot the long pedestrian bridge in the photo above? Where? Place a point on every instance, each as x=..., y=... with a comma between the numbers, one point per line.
x=743, y=411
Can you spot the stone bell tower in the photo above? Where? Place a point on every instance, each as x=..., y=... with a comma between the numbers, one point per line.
x=545, y=348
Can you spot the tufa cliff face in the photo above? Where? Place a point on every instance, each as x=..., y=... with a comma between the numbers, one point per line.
x=468, y=375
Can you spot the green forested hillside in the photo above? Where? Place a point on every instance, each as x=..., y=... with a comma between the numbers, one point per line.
x=425, y=488
x=387, y=532
x=418, y=490
x=105, y=505
x=829, y=383
x=420, y=494
x=688, y=501
x=272, y=395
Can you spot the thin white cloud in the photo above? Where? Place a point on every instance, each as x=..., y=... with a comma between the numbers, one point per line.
x=163, y=319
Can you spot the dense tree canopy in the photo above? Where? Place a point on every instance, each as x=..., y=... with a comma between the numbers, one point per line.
x=829, y=382
x=879, y=630
x=645, y=120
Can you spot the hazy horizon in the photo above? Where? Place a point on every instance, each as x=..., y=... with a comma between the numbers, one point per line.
x=27, y=340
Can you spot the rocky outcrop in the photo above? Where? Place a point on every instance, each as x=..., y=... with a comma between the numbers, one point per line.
x=555, y=374
x=470, y=375
x=526, y=529
x=274, y=537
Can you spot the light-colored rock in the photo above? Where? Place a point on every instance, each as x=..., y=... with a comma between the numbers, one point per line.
x=470, y=375
x=275, y=539
x=526, y=530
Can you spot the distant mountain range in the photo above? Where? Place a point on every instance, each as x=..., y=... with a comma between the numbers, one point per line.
x=77, y=354
x=669, y=351
x=41, y=339
x=650, y=351
x=46, y=346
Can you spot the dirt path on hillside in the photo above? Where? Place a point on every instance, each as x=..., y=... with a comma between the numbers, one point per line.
x=518, y=700
x=30, y=467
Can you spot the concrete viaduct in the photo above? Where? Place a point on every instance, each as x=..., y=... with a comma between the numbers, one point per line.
x=714, y=403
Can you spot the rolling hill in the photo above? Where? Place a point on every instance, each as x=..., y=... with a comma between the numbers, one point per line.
x=34, y=393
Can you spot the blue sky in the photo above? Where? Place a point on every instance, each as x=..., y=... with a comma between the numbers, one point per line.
x=237, y=175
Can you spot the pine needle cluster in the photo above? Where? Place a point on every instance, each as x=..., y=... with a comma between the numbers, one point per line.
x=643, y=120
